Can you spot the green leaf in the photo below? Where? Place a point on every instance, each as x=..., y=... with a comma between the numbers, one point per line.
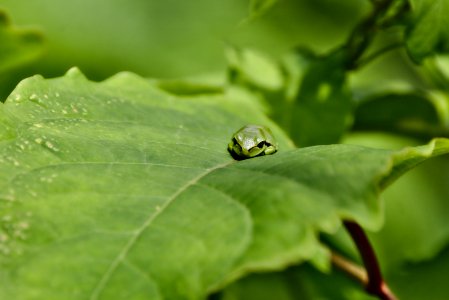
x=188, y=87
x=416, y=113
x=119, y=190
x=428, y=30
x=254, y=69
x=321, y=111
x=302, y=282
x=17, y=46
x=423, y=280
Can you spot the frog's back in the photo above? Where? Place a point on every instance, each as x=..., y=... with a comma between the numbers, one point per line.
x=250, y=136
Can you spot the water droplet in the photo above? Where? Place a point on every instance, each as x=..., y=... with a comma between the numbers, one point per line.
x=49, y=145
x=46, y=179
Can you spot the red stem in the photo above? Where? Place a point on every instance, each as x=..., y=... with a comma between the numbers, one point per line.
x=376, y=284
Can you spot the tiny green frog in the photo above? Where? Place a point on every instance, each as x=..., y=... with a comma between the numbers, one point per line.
x=252, y=140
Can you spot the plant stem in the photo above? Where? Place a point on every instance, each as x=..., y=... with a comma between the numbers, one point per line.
x=384, y=13
x=364, y=61
x=375, y=284
x=353, y=270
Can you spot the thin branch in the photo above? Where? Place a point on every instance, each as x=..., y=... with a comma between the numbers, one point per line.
x=382, y=16
x=355, y=271
x=362, y=36
x=375, y=284
x=369, y=58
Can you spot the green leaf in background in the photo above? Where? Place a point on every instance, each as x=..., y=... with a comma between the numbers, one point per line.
x=17, y=46
x=253, y=69
x=303, y=282
x=428, y=31
x=321, y=111
x=415, y=113
x=306, y=95
x=187, y=87
x=119, y=190
x=423, y=280
x=411, y=282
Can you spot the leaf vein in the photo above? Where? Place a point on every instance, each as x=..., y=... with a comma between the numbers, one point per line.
x=138, y=233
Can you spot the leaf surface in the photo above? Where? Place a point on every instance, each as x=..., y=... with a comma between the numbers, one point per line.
x=119, y=190
x=415, y=113
x=428, y=31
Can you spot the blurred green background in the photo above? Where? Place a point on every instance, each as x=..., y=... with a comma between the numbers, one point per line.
x=171, y=38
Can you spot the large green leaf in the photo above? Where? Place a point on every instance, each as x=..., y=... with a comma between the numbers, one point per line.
x=119, y=190
x=428, y=31
x=17, y=46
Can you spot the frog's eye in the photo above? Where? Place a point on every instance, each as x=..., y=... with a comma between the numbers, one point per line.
x=261, y=145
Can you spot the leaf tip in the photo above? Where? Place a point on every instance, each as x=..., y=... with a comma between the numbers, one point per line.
x=408, y=158
x=75, y=73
